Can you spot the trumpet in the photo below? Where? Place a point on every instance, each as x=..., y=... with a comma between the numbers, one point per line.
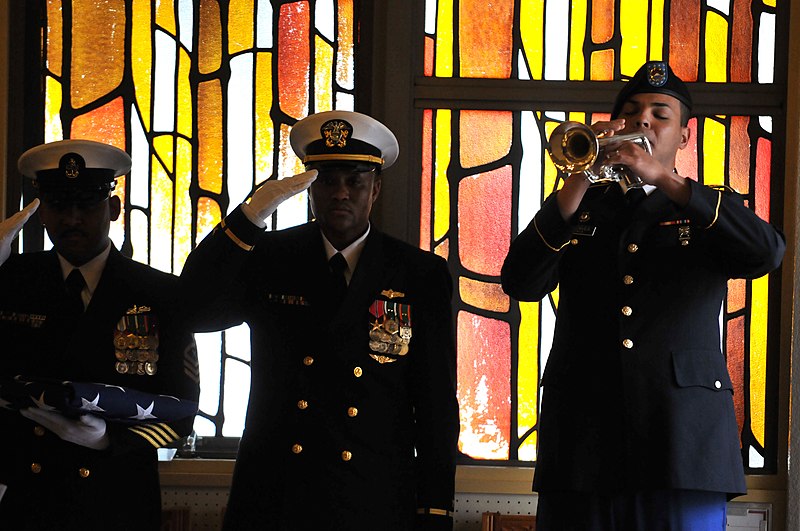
x=575, y=148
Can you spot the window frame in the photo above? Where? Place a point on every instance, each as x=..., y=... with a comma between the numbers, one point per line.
x=397, y=93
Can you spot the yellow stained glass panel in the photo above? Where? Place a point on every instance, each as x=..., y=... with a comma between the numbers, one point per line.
x=713, y=152
x=240, y=25
x=716, y=48
x=265, y=136
x=142, y=49
x=444, y=39
x=323, y=69
x=528, y=366
x=577, y=35
x=182, y=233
x=165, y=15
x=160, y=217
x=98, y=46
x=633, y=27
x=441, y=186
x=164, y=148
x=53, y=129
x=208, y=215
x=184, y=95
x=759, y=310
x=531, y=24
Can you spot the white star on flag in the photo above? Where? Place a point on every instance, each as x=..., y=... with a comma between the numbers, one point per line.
x=91, y=406
x=144, y=414
x=40, y=403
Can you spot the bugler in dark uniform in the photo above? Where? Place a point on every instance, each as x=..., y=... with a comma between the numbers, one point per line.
x=637, y=404
x=352, y=422
x=87, y=468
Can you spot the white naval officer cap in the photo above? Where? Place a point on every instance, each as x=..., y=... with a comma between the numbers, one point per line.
x=343, y=137
x=74, y=169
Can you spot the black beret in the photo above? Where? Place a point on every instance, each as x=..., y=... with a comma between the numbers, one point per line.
x=653, y=77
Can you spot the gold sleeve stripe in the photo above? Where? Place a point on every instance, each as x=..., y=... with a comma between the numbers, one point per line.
x=556, y=249
x=237, y=241
x=437, y=512
x=716, y=210
x=165, y=431
x=152, y=434
x=145, y=436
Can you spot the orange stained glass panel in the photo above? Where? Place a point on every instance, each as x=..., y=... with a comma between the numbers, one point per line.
x=241, y=29
x=684, y=38
x=293, y=59
x=741, y=41
x=209, y=37
x=426, y=180
x=484, y=218
x=763, y=158
x=345, y=59
x=602, y=64
x=737, y=293
x=484, y=295
x=208, y=215
x=603, y=16
x=484, y=385
x=686, y=161
x=104, y=124
x=735, y=354
x=486, y=38
x=209, y=136
x=739, y=154
x=428, y=56
x=443, y=249
x=55, y=28
x=98, y=49
x=485, y=136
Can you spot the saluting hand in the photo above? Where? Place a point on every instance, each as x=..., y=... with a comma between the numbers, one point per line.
x=272, y=193
x=88, y=430
x=11, y=227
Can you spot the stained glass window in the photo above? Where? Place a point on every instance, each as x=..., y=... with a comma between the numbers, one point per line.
x=203, y=95
x=485, y=173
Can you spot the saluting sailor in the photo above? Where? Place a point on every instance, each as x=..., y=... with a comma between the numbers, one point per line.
x=353, y=421
x=637, y=428
x=82, y=312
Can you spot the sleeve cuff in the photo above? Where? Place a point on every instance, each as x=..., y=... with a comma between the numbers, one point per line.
x=704, y=204
x=241, y=231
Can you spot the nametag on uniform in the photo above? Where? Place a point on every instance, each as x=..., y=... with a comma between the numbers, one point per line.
x=584, y=230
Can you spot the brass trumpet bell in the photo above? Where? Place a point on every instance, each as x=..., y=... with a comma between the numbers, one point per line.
x=575, y=148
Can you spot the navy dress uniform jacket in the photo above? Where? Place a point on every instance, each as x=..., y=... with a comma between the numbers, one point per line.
x=54, y=484
x=636, y=392
x=334, y=439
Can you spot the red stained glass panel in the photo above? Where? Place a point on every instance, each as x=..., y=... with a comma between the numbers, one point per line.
x=294, y=57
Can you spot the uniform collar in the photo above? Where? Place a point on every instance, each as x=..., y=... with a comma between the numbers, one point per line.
x=351, y=253
x=91, y=270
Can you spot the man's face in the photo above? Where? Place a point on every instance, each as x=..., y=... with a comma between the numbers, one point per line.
x=658, y=116
x=342, y=199
x=79, y=231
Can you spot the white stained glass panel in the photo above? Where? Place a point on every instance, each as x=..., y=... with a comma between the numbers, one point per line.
x=556, y=29
x=240, y=130
x=164, y=83
x=237, y=393
x=530, y=192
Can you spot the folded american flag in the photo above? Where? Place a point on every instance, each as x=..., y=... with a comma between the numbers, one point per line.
x=111, y=402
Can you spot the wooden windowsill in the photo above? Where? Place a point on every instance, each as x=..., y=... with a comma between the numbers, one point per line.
x=217, y=473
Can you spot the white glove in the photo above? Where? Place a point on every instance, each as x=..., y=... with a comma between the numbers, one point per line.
x=11, y=227
x=88, y=430
x=272, y=193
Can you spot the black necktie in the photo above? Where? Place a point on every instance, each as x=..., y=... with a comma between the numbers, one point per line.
x=634, y=196
x=74, y=284
x=338, y=265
